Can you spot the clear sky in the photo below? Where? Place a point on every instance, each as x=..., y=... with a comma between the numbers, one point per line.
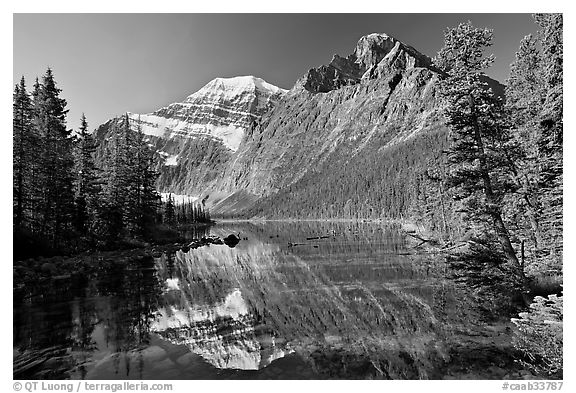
x=107, y=64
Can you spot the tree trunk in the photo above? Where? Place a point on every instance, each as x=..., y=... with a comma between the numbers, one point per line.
x=533, y=219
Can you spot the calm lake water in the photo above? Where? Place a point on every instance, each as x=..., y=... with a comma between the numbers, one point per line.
x=356, y=303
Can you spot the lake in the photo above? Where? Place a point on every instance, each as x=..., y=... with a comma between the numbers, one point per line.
x=292, y=300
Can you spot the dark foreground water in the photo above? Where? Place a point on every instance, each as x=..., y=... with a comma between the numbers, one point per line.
x=357, y=304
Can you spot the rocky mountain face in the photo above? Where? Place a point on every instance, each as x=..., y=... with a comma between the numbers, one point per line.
x=337, y=120
x=348, y=140
x=375, y=55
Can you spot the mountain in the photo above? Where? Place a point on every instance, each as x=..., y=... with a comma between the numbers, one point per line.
x=195, y=138
x=345, y=141
x=351, y=139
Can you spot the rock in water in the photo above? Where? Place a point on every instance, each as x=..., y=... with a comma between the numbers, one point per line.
x=232, y=240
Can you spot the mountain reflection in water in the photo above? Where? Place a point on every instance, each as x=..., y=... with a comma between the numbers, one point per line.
x=222, y=334
x=350, y=305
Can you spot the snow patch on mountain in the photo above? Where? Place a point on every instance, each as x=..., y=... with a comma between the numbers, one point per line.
x=230, y=135
x=173, y=284
x=171, y=161
x=158, y=126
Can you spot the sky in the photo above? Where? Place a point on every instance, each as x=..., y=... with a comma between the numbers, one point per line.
x=107, y=64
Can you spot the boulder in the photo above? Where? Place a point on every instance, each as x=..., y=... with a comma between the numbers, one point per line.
x=232, y=240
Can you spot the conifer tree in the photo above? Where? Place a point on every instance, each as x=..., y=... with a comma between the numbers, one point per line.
x=36, y=165
x=550, y=136
x=22, y=153
x=129, y=177
x=88, y=184
x=60, y=193
x=150, y=196
x=482, y=150
x=169, y=216
x=114, y=192
x=130, y=182
x=57, y=164
x=524, y=98
x=534, y=101
x=146, y=195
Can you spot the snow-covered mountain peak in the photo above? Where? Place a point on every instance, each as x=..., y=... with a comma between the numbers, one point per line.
x=237, y=86
x=222, y=110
